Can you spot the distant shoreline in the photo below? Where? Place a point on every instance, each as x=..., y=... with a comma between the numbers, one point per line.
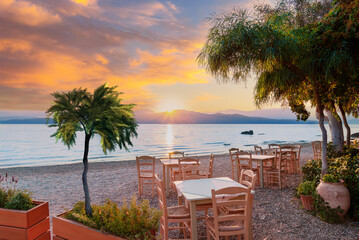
x=127, y=161
x=258, y=121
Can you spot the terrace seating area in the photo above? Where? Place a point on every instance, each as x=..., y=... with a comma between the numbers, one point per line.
x=227, y=202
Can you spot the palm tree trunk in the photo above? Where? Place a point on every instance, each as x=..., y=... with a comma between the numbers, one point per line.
x=88, y=208
x=345, y=124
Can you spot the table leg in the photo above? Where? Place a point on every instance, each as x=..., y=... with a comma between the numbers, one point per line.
x=168, y=180
x=261, y=167
x=250, y=219
x=193, y=220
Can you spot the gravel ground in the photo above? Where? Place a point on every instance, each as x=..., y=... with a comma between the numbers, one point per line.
x=276, y=213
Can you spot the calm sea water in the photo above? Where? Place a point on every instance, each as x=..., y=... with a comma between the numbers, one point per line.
x=31, y=145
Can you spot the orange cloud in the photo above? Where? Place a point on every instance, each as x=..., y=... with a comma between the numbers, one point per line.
x=85, y=2
x=27, y=13
x=204, y=97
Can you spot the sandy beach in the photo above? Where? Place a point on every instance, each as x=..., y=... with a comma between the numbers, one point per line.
x=276, y=213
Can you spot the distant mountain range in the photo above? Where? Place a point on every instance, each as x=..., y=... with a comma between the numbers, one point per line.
x=190, y=117
x=181, y=117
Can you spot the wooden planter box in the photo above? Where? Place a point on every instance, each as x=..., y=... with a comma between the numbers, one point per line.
x=33, y=224
x=66, y=229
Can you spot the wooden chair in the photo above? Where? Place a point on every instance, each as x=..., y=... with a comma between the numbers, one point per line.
x=289, y=157
x=317, y=150
x=176, y=214
x=297, y=149
x=273, y=145
x=145, y=173
x=228, y=224
x=177, y=175
x=193, y=172
x=211, y=164
x=196, y=172
x=174, y=171
x=246, y=163
x=276, y=175
x=248, y=179
x=258, y=150
x=233, y=152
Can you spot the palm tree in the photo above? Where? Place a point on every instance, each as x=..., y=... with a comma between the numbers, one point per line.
x=99, y=113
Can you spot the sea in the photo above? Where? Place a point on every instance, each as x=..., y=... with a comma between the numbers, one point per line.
x=23, y=145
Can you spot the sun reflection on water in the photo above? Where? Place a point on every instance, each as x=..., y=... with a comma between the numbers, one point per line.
x=169, y=136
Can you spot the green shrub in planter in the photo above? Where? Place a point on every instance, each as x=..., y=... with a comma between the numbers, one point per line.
x=312, y=170
x=330, y=178
x=132, y=220
x=307, y=188
x=12, y=198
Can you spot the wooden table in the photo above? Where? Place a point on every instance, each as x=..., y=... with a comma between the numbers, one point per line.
x=168, y=163
x=198, y=192
x=260, y=159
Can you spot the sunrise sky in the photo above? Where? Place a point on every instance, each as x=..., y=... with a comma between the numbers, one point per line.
x=147, y=48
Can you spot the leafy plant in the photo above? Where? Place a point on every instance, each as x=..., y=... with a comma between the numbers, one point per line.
x=324, y=211
x=312, y=170
x=307, y=188
x=330, y=178
x=12, y=198
x=21, y=201
x=132, y=220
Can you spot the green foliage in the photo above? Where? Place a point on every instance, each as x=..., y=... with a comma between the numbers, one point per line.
x=307, y=188
x=101, y=113
x=20, y=201
x=132, y=220
x=326, y=213
x=330, y=178
x=345, y=166
x=12, y=198
x=312, y=170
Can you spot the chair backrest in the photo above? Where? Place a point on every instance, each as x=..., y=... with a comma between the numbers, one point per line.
x=248, y=178
x=186, y=161
x=244, y=162
x=240, y=208
x=286, y=152
x=175, y=155
x=162, y=201
x=211, y=163
x=273, y=145
x=297, y=149
x=193, y=172
x=233, y=153
x=258, y=150
x=145, y=165
x=317, y=149
x=281, y=158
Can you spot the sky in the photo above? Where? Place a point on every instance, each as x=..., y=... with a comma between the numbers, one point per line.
x=147, y=48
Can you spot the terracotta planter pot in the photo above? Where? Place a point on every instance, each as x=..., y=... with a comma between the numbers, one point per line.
x=32, y=224
x=336, y=194
x=307, y=202
x=67, y=229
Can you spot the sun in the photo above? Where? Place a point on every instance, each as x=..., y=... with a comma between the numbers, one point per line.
x=169, y=105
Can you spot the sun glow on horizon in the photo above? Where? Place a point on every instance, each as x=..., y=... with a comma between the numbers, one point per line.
x=169, y=105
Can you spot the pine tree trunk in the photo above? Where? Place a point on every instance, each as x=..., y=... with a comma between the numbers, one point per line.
x=336, y=129
x=345, y=124
x=88, y=208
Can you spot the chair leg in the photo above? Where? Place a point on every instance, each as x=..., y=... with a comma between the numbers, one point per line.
x=139, y=188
